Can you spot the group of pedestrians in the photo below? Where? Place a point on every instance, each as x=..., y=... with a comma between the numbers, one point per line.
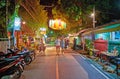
x=61, y=44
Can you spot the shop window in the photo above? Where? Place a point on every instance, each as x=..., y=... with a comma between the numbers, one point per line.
x=117, y=35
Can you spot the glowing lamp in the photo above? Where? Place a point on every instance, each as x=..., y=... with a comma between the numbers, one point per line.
x=57, y=24
x=43, y=30
x=8, y=34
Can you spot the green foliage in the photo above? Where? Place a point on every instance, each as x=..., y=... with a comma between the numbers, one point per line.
x=77, y=12
x=69, y=13
x=71, y=9
x=3, y=5
x=33, y=14
x=2, y=14
x=89, y=43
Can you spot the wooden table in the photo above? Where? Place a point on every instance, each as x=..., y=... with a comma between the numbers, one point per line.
x=108, y=53
x=117, y=62
x=108, y=56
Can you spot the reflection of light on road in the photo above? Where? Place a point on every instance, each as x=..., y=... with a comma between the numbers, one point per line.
x=83, y=57
x=50, y=51
x=50, y=48
x=99, y=71
x=57, y=73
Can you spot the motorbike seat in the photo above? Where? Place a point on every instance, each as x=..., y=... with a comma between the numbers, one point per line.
x=15, y=57
x=6, y=62
x=23, y=53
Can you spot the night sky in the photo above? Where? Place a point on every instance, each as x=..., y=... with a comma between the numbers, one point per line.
x=49, y=9
x=115, y=10
x=48, y=2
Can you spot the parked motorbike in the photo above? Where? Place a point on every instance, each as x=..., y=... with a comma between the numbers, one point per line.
x=29, y=55
x=32, y=54
x=26, y=56
x=13, y=51
x=10, y=68
x=10, y=55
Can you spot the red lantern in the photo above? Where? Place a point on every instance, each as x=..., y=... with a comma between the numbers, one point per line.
x=9, y=34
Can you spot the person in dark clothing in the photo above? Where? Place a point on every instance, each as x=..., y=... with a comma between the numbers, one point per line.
x=66, y=43
x=74, y=43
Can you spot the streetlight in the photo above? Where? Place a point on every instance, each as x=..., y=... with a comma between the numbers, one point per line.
x=93, y=16
x=24, y=22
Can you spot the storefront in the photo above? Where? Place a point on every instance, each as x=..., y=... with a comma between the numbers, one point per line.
x=109, y=32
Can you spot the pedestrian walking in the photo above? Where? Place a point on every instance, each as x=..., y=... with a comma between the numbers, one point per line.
x=57, y=44
x=66, y=43
x=74, y=43
x=62, y=44
x=42, y=47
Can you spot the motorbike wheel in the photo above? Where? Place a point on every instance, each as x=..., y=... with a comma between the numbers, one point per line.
x=17, y=73
x=21, y=67
x=33, y=56
x=28, y=60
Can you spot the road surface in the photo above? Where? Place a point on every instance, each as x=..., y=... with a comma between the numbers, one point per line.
x=71, y=65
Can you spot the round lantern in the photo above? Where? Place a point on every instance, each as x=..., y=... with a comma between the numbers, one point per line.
x=9, y=34
x=57, y=24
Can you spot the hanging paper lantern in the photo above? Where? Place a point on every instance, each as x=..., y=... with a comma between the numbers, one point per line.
x=9, y=34
x=57, y=24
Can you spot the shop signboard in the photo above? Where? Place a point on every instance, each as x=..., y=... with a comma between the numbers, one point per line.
x=17, y=23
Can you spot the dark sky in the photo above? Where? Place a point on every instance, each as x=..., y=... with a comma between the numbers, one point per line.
x=48, y=2
x=115, y=10
x=49, y=9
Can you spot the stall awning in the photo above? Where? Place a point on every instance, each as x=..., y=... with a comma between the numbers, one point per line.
x=110, y=27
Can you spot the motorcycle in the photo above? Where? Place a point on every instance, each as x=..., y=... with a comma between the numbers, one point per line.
x=10, y=68
x=12, y=54
x=32, y=54
x=25, y=54
x=29, y=55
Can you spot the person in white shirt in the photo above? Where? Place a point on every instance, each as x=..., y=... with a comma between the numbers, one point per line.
x=62, y=44
x=57, y=44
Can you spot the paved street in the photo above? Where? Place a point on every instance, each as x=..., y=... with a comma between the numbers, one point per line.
x=71, y=65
